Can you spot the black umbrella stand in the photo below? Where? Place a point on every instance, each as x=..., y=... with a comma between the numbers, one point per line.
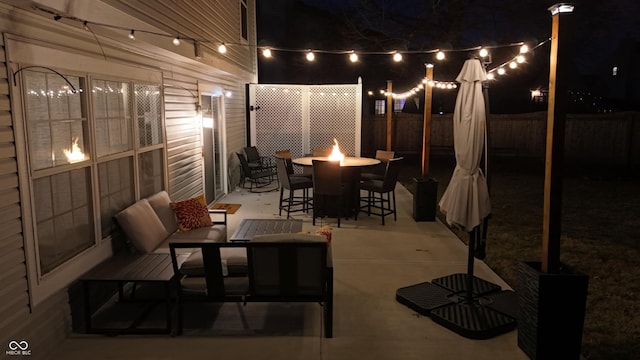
x=464, y=303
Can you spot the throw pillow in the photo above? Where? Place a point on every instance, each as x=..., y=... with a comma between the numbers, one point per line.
x=191, y=214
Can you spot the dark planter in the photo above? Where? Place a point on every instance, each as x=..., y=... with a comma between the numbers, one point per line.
x=552, y=308
x=425, y=199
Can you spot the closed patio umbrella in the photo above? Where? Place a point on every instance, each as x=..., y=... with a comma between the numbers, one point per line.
x=466, y=202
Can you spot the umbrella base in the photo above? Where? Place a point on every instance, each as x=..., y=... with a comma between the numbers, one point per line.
x=473, y=321
x=489, y=313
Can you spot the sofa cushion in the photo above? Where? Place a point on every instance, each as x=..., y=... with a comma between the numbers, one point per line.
x=142, y=226
x=234, y=262
x=216, y=233
x=161, y=204
x=191, y=214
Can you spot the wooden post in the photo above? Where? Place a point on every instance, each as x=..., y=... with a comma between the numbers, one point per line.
x=426, y=131
x=556, y=119
x=389, y=113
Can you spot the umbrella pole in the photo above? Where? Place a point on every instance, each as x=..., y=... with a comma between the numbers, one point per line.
x=473, y=234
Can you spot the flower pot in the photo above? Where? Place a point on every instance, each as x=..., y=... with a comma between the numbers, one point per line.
x=552, y=308
x=425, y=199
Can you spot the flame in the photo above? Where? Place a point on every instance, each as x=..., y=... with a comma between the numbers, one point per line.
x=336, y=155
x=75, y=154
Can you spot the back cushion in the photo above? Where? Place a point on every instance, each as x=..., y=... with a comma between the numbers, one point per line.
x=142, y=226
x=161, y=204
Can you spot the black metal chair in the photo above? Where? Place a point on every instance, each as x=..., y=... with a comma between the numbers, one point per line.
x=386, y=186
x=292, y=203
x=286, y=155
x=257, y=176
x=376, y=172
x=328, y=190
x=256, y=160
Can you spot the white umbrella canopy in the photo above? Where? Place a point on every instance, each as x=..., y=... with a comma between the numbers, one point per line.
x=466, y=200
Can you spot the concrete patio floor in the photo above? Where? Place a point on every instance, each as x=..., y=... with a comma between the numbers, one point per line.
x=371, y=262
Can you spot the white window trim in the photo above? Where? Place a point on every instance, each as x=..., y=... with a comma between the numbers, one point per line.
x=25, y=52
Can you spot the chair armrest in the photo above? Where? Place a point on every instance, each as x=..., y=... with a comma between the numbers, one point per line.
x=221, y=212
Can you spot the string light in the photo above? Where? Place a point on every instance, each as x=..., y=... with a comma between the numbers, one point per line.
x=353, y=57
x=310, y=56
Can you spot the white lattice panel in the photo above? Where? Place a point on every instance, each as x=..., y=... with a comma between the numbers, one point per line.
x=303, y=117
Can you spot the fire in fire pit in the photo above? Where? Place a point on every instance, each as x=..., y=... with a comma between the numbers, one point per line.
x=336, y=155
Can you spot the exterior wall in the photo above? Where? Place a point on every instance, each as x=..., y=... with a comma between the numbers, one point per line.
x=47, y=324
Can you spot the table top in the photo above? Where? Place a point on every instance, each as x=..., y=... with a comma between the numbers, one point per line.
x=250, y=227
x=133, y=267
x=349, y=161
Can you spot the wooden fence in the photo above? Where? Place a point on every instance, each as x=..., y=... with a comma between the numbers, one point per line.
x=589, y=138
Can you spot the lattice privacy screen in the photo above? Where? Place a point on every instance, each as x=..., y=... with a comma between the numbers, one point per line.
x=303, y=117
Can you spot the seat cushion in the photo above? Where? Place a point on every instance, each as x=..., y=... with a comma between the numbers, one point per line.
x=234, y=262
x=161, y=204
x=142, y=226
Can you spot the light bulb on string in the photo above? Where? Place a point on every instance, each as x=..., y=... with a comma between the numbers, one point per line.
x=524, y=49
x=222, y=48
x=176, y=41
x=132, y=35
x=266, y=53
x=490, y=76
x=440, y=55
x=483, y=52
x=520, y=59
x=501, y=71
x=397, y=57
x=513, y=65
x=310, y=56
x=353, y=57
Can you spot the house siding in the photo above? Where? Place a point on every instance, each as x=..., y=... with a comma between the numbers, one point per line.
x=44, y=326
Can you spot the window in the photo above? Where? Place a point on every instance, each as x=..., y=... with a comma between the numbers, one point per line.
x=380, y=107
x=243, y=18
x=67, y=221
x=398, y=105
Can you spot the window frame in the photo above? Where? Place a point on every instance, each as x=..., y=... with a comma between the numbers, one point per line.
x=23, y=53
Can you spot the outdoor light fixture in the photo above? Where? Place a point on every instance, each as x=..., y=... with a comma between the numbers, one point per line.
x=440, y=55
x=520, y=59
x=561, y=8
x=524, y=49
x=353, y=57
x=513, y=65
x=310, y=56
x=501, y=71
x=196, y=50
x=483, y=52
x=490, y=76
x=397, y=57
x=132, y=35
x=266, y=53
x=176, y=41
x=222, y=48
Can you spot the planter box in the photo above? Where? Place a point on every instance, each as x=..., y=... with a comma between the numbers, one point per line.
x=552, y=308
x=425, y=199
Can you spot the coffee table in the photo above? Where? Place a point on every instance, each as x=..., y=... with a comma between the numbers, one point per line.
x=251, y=227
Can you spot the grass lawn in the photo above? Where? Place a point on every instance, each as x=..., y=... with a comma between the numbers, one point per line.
x=600, y=237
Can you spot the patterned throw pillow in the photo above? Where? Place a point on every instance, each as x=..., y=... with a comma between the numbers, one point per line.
x=191, y=214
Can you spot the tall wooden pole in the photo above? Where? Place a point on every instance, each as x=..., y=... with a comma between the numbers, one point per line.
x=556, y=119
x=389, y=113
x=426, y=131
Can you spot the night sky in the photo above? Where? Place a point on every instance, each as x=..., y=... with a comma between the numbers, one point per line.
x=601, y=31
